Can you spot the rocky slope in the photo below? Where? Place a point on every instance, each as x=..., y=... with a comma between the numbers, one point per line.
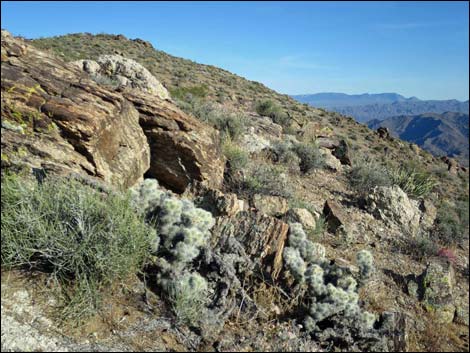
x=441, y=134
x=114, y=131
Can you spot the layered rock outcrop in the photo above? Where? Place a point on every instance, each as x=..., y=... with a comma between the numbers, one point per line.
x=56, y=118
x=64, y=122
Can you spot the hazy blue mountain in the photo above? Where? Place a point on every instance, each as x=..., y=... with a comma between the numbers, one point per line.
x=365, y=107
x=440, y=134
x=328, y=100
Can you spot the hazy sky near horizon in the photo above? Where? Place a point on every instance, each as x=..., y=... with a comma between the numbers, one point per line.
x=412, y=48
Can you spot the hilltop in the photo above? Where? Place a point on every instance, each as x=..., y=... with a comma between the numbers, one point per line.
x=232, y=217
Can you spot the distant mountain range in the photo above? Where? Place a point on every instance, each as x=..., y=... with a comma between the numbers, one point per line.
x=440, y=134
x=365, y=107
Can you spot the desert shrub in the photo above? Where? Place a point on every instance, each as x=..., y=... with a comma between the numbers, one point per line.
x=229, y=123
x=365, y=175
x=274, y=111
x=331, y=301
x=236, y=156
x=420, y=247
x=85, y=239
x=186, y=93
x=103, y=80
x=310, y=156
x=453, y=222
x=283, y=151
x=263, y=178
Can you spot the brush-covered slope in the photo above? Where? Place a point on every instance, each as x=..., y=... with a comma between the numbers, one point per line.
x=209, y=83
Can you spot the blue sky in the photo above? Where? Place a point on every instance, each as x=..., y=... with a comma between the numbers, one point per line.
x=412, y=48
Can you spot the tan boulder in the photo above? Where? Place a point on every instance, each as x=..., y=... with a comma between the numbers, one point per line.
x=270, y=205
x=302, y=216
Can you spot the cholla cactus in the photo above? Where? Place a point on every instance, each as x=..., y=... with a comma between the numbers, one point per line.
x=332, y=292
x=365, y=262
x=310, y=252
x=183, y=230
x=295, y=263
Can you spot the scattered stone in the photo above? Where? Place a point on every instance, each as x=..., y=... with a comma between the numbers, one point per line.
x=263, y=125
x=274, y=206
x=452, y=165
x=253, y=142
x=182, y=148
x=334, y=215
x=302, y=216
x=331, y=162
x=392, y=205
x=383, y=133
x=438, y=282
x=429, y=213
x=341, y=151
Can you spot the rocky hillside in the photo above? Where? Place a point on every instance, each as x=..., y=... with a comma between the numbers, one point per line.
x=441, y=134
x=152, y=203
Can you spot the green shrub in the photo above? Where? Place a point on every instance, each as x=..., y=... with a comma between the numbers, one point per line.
x=262, y=178
x=228, y=122
x=453, y=222
x=366, y=175
x=274, y=111
x=84, y=239
x=310, y=156
x=420, y=247
x=236, y=156
x=186, y=93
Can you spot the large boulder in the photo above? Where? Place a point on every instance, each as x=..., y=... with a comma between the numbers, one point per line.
x=123, y=72
x=55, y=119
x=392, y=205
x=182, y=148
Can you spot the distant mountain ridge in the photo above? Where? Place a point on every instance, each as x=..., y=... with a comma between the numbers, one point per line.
x=365, y=107
x=441, y=134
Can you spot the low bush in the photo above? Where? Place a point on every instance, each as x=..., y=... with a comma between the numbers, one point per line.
x=366, y=175
x=310, y=156
x=274, y=111
x=236, y=156
x=85, y=239
x=266, y=179
x=452, y=222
